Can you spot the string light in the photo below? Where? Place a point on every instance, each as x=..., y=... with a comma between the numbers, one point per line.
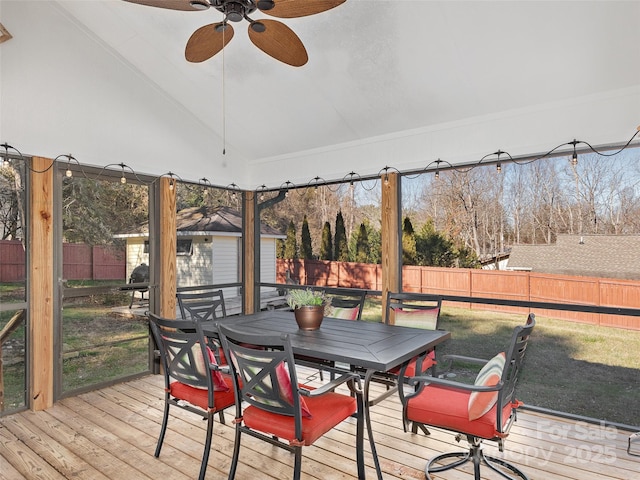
x=262, y=189
x=123, y=179
x=68, y=172
x=317, y=181
x=234, y=190
x=287, y=186
x=6, y=162
x=574, y=157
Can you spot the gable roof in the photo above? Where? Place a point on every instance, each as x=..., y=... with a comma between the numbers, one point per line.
x=612, y=256
x=206, y=221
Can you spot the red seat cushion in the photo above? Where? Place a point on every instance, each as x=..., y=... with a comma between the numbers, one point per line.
x=428, y=362
x=328, y=410
x=199, y=396
x=448, y=408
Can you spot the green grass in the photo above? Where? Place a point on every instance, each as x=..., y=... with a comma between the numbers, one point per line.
x=100, y=345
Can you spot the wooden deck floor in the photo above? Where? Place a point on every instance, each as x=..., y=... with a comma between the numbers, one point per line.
x=111, y=434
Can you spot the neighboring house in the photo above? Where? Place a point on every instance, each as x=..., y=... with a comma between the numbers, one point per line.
x=209, y=248
x=495, y=262
x=612, y=256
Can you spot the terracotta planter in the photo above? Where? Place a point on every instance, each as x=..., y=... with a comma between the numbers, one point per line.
x=309, y=317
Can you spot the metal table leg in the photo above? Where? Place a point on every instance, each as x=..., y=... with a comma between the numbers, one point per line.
x=367, y=418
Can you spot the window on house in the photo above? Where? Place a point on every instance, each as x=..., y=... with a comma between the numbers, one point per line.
x=184, y=247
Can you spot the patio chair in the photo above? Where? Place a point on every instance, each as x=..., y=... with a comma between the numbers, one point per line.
x=193, y=380
x=417, y=310
x=482, y=411
x=346, y=303
x=272, y=406
x=202, y=306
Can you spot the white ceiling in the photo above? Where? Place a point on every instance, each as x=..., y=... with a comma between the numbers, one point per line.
x=377, y=69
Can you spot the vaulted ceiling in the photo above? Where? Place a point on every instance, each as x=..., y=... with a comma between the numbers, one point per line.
x=381, y=74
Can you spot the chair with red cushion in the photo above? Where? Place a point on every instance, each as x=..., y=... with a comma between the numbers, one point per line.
x=268, y=408
x=417, y=310
x=202, y=305
x=193, y=380
x=482, y=411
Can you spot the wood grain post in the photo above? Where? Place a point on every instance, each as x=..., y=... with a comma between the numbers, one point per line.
x=41, y=284
x=391, y=231
x=249, y=252
x=168, y=240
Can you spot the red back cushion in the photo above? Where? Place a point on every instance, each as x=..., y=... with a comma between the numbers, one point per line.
x=219, y=385
x=284, y=381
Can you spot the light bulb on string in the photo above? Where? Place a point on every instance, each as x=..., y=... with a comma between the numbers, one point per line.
x=123, y=179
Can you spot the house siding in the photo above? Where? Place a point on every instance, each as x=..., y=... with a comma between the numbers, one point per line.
x=195, y=269
x=226, y=264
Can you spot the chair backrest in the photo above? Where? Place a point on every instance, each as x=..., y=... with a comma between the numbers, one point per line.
x=201, y=305
x=264, y=372
x=514, y=359
x=419, y=310
x=183, y=352
x=346, y=303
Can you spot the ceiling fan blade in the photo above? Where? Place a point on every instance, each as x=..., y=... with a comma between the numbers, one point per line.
x=300, y=8
x=172, y=4
x=278, y=41
x=206, y=41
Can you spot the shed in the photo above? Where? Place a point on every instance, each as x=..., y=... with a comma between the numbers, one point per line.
x=209, y=248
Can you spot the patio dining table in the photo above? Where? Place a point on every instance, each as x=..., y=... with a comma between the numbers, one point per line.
x=369, y=346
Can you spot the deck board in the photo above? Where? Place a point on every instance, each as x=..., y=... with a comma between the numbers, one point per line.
x=111, y=434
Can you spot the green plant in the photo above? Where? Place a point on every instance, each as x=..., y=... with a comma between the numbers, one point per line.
x=297, y=298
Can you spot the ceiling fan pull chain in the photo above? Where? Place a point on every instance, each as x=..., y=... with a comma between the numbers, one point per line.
x=224, y=116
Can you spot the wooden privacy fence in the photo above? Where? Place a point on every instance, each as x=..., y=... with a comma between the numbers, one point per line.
x=499, y=284
x=80, y=262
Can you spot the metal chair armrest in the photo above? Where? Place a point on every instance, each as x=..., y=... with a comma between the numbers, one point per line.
x=462, y=358
x=330, y=386
x=427, y=379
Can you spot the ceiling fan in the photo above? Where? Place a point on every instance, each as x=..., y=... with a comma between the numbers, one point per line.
x=271, y=36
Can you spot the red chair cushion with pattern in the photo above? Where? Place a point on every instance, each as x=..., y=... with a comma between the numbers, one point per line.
x=199, y=396
x=488, y=376
x=219, y=382
x=345, y=313
x=448, y=408
x=328, y=410
x=284, y=381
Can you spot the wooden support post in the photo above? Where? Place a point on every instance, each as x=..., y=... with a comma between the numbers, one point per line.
x=391, y=235
x=41, y=284
x=168, y=240
x=249, y=248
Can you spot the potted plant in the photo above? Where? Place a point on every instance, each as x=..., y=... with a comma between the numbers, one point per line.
x=308, y=307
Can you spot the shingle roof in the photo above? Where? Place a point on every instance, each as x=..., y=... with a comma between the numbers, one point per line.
x=220, y=219
x=613, y=256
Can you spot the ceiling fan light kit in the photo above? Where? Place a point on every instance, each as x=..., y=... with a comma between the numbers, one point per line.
x=271, y=36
